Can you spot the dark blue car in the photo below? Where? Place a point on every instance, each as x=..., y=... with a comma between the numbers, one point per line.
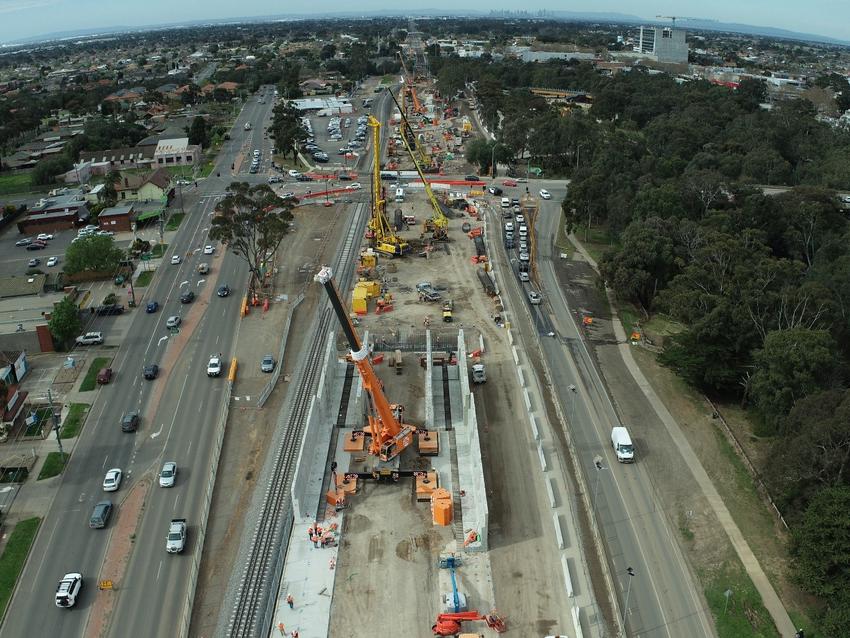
x=152, y=306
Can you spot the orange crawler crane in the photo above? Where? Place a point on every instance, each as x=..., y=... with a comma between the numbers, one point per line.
x=449, y=624
x=390, y=436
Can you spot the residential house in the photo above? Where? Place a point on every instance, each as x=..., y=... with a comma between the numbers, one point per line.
x=147, y=187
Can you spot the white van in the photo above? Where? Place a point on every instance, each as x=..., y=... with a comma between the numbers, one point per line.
x=506, y=202
x=622, y=444
x=399, y=194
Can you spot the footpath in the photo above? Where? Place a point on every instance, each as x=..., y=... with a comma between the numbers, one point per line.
x=768, y=594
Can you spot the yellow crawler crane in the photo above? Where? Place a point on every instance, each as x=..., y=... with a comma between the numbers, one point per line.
x=438, y=223
x=383, y=237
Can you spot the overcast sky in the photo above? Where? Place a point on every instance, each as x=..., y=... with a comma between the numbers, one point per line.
x=26, y=18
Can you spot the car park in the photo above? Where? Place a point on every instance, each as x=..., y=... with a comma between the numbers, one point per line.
x=267, y=364
x=52, y=262
x=175, y=260
x=545, y=194
x=152, y=307
x=223, y=291
x=172, y=322
x=208, y=249
x=168, y=474
x=100, y=515
x=151, y=371
x=112, y=480
x=90, y=339
x=534, y=297
x=68, y=590
x=104, y=376
x=26, y=241
x=32, y=263
x=187, y=297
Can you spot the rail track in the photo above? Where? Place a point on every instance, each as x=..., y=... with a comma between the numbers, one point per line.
x=252, y=611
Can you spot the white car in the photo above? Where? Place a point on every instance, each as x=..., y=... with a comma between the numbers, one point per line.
x=294, y=173
x=172, y=322
x=545, y=194
x=354, y=186
x=44, y=237
x=214, y=367
x=105, y=233
x=68, y=590
x=52, y=261
x=175, y=259
x=112, y=480
x=90, y=339
x=168, y=474
x=534, y=297
x=208, y=250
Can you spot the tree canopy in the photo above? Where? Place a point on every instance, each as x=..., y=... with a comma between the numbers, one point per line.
x=65, y=323
x=93, y=253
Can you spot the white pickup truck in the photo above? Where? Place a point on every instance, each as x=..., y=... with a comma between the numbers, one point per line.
x=176, y=540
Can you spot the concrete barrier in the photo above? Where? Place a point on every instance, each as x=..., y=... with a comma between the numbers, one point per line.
x=576, y=614
x=550, y=492
x=516, y=354
x=532, y=421
x=559, y=533
x=568, y=580
x=521, y=376
x=542, y=455
x=526, y=397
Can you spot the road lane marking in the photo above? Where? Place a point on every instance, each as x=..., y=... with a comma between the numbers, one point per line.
x=161, y=339
x=189, y=448
x=158, y=570
x=44, y=556
x=176, y=500
x=158, y=432
x=105, y=459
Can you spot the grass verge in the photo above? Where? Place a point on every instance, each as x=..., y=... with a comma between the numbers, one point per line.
x=173, y=222
x=42, y=415
x=595, y=241
x=13, y=558
x=144, y=279
x=629, y=317
x=74, y=421
x=53, y=465
x=743, y=615
x=158, y=250
x=18, y=182
x=90, y=380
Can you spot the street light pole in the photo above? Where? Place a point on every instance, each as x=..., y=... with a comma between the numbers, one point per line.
x=55, y=418
x=573, y=394
x=631, y=573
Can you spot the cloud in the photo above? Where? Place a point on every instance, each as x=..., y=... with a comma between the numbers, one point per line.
x=11, y=6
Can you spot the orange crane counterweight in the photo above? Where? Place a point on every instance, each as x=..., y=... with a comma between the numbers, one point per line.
x=390, y=436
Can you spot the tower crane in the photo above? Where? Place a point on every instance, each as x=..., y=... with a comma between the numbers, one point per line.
x=390, y=436
x=381, y=232
x=439, y=223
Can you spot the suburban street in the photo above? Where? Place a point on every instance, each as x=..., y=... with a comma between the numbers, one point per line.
x=664, y=599
x=176, y=412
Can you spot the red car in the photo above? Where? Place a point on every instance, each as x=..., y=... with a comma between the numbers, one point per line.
x=104, y=376
x=508, y=182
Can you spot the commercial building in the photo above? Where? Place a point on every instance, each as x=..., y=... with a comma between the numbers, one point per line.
x=323, y=106
x=663, y=44
x=118, y=158
x=176, y=152
x=118, y=219
x=60, y=211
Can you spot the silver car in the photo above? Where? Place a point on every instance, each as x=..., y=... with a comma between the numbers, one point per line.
x=267, y=364
x=172, y=322
x=168, y=474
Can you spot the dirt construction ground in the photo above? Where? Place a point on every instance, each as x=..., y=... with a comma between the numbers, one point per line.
x=528, y=589
x=249, y=429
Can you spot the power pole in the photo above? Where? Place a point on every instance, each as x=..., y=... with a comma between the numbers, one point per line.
x=55, y=418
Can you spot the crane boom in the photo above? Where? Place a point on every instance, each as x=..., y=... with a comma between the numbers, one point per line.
x=390, y=437
x=439, y=219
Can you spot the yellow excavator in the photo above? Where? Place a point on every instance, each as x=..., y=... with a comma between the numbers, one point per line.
x=439, y=223
x=381, y=232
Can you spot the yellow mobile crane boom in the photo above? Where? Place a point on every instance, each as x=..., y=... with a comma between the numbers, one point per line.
x=385, y=240
x=439, y=223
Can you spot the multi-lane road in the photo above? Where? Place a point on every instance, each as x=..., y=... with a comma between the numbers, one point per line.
x=177, y=411
x=664, y=599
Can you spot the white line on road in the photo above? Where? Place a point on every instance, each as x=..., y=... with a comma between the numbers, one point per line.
x=200, y=281
x=189, y=448
x=161, y=339
x=217, y=339
x=176, y=500
x=184, y=283
x=105, y=459
x=158, y=569
x=44, y=557
x=158, y=432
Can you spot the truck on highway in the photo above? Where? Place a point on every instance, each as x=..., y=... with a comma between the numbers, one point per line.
x=622, y=444
x=176, y=540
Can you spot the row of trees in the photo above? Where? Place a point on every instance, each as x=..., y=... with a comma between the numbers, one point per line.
x=760, y=283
